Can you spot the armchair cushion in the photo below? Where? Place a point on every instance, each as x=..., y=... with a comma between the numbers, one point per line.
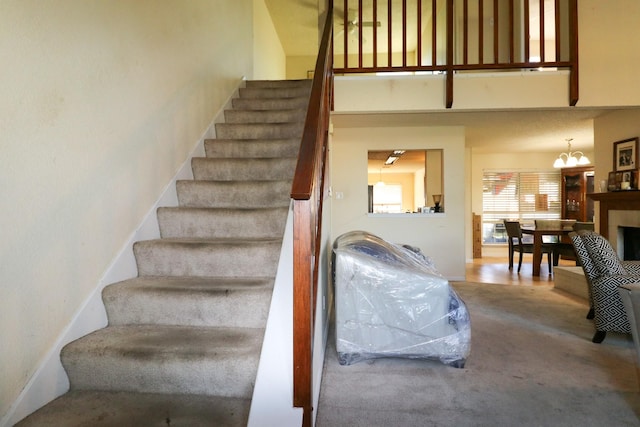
x=632, y=267
x=583, y=255
x=604, y=258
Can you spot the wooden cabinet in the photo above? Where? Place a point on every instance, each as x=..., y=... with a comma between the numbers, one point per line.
x=576, y=183
x=477, y=236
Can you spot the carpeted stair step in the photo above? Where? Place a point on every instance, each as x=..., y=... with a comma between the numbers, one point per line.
x=165, y=359
x=213, y=223
x=259, y=130
x=267, y=116
x=207, y=258
x=127, y=409
x=271, y=93
x=234, y=194
x=190, y=301
x=269, y=103
x=278, y=83
x=249, y=148
x=266, y=169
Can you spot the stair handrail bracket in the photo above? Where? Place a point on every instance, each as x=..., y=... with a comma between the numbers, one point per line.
x=308, y=190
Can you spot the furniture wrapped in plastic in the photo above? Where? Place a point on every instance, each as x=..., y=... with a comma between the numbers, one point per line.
x=392, y=302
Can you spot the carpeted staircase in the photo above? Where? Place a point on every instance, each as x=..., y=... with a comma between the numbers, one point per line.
x=184, y=337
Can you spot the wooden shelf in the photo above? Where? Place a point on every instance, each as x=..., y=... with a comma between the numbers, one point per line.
x=615, y=201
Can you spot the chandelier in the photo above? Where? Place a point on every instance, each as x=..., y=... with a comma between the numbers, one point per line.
x=571, y=159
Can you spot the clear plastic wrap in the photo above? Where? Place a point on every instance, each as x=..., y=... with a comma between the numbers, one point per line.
x=392, y=302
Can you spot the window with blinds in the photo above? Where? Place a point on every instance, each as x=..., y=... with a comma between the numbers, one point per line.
x=517, y=195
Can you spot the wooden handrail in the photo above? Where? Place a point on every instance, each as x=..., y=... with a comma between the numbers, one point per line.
x=508, y=46
x=308, y=191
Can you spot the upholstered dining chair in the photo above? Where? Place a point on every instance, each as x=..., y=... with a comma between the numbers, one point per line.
x=604, y=272
x=514, y=239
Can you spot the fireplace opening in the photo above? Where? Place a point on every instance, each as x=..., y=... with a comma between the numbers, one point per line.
x=629, y=243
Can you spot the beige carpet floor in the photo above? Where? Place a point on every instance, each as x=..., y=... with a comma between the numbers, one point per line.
x=532, y=363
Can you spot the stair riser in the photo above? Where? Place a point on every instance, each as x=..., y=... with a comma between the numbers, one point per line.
x=258, y=131
x=203, y=259
x=278, y=83
x=276, y=116
x=221, y=223
x=271, y=93
x=269, y=104
x=243, y=169
x=231, y=306
x=239, y=194
x=142, y=364
x=252, y=148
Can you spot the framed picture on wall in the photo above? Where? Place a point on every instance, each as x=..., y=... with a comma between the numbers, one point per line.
x=613, y=183
x=625, y=154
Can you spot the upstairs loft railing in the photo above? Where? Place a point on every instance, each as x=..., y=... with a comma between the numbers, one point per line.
x=453, y=36
x=308, y=191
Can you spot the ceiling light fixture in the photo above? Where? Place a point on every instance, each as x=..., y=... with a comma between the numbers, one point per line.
x=393, y=157
x=570, y=159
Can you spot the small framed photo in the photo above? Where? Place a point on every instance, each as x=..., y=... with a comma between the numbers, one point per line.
x=625, y=155
x=613, y=184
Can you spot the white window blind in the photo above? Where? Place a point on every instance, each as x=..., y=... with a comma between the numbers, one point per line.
x=517, y=195
x=387, y=198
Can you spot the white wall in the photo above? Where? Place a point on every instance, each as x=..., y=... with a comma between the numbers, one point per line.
x=608, y=56
x=440, y=236
x=269, y=60
x=100, y=104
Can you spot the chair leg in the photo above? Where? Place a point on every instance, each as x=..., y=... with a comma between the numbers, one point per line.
x=556, y=258
x=549, y=262
x=591, y=314
x=519, y=262
x=511, y=260
x=599, y=337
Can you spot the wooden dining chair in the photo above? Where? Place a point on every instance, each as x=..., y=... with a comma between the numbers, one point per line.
x=514, y=239
x=559, y=248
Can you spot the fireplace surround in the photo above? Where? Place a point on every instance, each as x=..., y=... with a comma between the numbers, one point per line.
x=617, y=209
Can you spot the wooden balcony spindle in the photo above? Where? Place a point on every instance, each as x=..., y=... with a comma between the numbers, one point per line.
x=527, y=34
x=542, y=54
x=389, y=35
x=419, y=35
x=360, y=44
x=465, y=32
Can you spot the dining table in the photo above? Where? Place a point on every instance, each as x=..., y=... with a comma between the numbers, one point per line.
x=538, y=233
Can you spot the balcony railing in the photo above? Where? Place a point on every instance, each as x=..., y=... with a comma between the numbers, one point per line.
x=455, y=36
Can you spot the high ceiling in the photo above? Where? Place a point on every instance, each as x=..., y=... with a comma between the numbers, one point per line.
x=296, y=23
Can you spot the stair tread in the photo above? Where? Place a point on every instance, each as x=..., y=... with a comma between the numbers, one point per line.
x=210, y=241
x=129, y=409
x=193, y=301
x=193, y=284
x=163, y=342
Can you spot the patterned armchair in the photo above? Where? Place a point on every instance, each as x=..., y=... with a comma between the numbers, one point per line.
x=604, y=273
x=630, y=294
